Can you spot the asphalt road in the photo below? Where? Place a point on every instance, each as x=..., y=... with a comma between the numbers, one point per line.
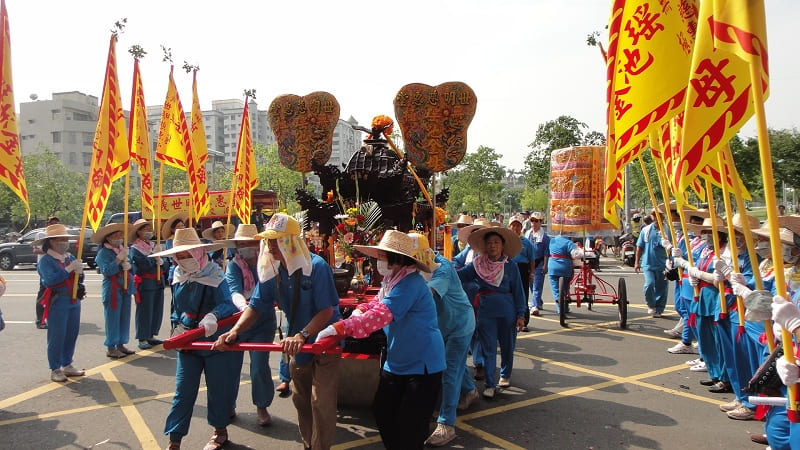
x=588, y=386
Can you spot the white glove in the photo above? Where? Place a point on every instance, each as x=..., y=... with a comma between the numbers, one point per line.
x=158, y=248
x=328, y=331
x=695, y=272
x=239, y=301
x=123, y=254
x=737, y=278
x=159, y=261
x=785, y=313
x=788, y=371
x=75, y=266
x=676, y=252
x=209, y=322
x=740, y=290
x=693, y=281
x=576, y=253
x=777, y=332
x=682, y=263
x=125, y=265
x=666, y=244
x=357, y=312
x=718, y=277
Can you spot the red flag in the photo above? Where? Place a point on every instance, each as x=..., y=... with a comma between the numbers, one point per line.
x=139, y=138
x=110, y=151
x=11, y=172
x=244, y=172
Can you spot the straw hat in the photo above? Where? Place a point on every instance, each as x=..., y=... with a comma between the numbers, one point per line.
x=741, y=221
x=511, y=248
x=135, y=227
x=790, y=222
x=55, y=230
x=208, y=233
x=100, y=235
x=396, y=242
x=463, y=219
x=463, y=233
x=244, y=232
x=166, y=227
x=706, y=226
x=186, y=239
x=423, y=251
x=785, y=235
x=688, y=211
x=280, y=225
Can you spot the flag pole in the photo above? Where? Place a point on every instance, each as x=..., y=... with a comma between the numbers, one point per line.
x=723, y=305
x=723, y=170
x=125, y=223
x=157, y=210
x=650, y=190
x=765, y=154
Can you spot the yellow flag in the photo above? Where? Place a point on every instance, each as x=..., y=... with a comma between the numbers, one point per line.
x=11, y=172
x=110, y=150
x=139, y=138
x=197, y=155
x=173, y=134
x=731, y=35
x=245, y=170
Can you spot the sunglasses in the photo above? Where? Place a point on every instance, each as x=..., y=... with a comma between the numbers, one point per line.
x=535, y=220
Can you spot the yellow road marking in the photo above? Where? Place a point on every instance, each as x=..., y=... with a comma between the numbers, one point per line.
x=138, y=425
x=502, y=443
x=357, y=443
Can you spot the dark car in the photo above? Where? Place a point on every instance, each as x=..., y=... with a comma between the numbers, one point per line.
x=21, y=251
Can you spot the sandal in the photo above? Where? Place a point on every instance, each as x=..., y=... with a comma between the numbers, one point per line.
x=284, y=389
x=218, y=439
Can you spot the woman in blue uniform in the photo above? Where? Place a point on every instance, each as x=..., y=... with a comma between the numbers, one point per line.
x=149, y=275
x=112, y=261
x=57, y=270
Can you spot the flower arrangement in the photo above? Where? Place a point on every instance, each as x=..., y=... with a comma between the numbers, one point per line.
x=359, y=224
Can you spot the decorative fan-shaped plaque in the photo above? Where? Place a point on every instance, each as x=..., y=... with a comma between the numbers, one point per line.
x=303, y=127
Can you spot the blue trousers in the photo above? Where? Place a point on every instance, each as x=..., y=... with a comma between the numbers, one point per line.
x=736, y=354
x=710, y=348
x=536, y=288
x=655, y=290
x=118, y=321
x=263, y=387
x=778, y=428
x=222, y=379
x=284, y=373
x=554, y=280
x=492, y=330
x=149, y=313
x=63, y=324
x=682, y=308
x=455, y=354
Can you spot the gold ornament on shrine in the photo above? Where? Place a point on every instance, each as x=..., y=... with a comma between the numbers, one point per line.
x=303, y=127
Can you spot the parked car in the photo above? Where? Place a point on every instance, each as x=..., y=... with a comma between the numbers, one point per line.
x=133, y=216
x=21, y=251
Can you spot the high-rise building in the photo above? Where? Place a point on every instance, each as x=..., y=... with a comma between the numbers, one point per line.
x=346, y=141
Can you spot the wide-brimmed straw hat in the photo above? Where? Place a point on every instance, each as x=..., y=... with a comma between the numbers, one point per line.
x=279, y=226
x=166, y=227
x=706, y=226
x=785, y=235
x=55, y=230
x=511, y=247
x=244, y=232
x=463, y=234
x=463, y=219
x=187, y=239
x=100, y=235
x=208, y=233
x=135, y=227
x=396, y=242
x=742, y=221
x=688, y=211
x=790, y=222
x=423, y=251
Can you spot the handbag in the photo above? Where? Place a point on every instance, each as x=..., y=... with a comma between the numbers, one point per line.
x=672, y=274
x=766, y=380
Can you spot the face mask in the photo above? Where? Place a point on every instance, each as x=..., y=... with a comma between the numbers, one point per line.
x=763, y=250
x=787, y=254
x=147, y=235
x=247, y=252
x=116, y=242
x=383, y=267
x=708, y=239
x=427, y=276
x=62, y=247
x=740, y=242
x=189, y=265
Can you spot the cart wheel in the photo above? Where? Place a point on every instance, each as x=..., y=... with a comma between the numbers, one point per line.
x=563, y=300
x=622, y=303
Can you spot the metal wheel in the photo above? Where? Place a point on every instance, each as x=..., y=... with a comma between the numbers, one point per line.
x=6, y=261
x=563, y=300
x=622, y=303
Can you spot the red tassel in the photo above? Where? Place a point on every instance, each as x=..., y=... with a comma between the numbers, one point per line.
x=762, y=339
x=739, y=333
x=761, y=411
x=692, y=322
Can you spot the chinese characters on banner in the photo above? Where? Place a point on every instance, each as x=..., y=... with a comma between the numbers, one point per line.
x=576, y=189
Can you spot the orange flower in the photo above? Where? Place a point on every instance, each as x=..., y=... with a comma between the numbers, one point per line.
x=383, y=122
x=329, y=197
x=351, y=221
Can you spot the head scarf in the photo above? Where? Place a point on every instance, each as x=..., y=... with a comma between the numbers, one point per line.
x=209, y=274
x=294, y=252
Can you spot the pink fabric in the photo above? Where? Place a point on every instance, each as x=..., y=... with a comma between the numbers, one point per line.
x=144, y=247
x=490, y=271
x=249, y=284
x=109, y=246
x=376, y=316
x=392, y=279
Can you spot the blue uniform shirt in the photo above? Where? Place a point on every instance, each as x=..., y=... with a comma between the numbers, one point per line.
x=654, y=256
x=456, y=317
x=560, y=262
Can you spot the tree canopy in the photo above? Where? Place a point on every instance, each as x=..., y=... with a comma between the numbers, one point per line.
x=476, y=184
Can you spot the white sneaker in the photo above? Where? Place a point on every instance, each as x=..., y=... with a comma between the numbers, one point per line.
x=695, y=344
x=694, y=362
x=58, y=376
x=488, y=392
x=504, y=382
x=72, y=372
x=673, y=333
x=441, y=435
x=650, y=311
x=468, y=400
x=681, y=348
x=699, y=367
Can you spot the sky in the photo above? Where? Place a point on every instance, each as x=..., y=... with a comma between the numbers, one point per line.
x=526, y=60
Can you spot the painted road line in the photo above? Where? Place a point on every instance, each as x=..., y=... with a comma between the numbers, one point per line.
x=502, y=443
x=137, y=423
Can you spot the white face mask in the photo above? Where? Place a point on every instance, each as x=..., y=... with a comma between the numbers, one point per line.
x=763, y=250
x=787, y=254
x=709, y=240
x=740, y=242
x=61, y=247
x=383, y=267
x=247, y=252
x=116, y=242
x=147, y=235
x=189, y=265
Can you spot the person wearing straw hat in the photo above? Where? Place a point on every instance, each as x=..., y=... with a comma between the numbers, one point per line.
x=62, y=312
x=411, y=376
x=541, y=252
x=525, y=260
x=37, y=250
x=112, y=262
x=218, y=231
x=302, y=285
x=463, y=221
x=457, y=324
x=149, y=286
x=168, y=228
x=500, y=301
x=242, y=278
x=706, y=311
x=201, y=298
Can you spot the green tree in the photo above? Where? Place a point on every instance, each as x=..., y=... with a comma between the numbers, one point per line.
x=476, y=184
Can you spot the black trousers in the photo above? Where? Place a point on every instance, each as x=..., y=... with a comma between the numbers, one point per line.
x=525, y=275
x=403, y=407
